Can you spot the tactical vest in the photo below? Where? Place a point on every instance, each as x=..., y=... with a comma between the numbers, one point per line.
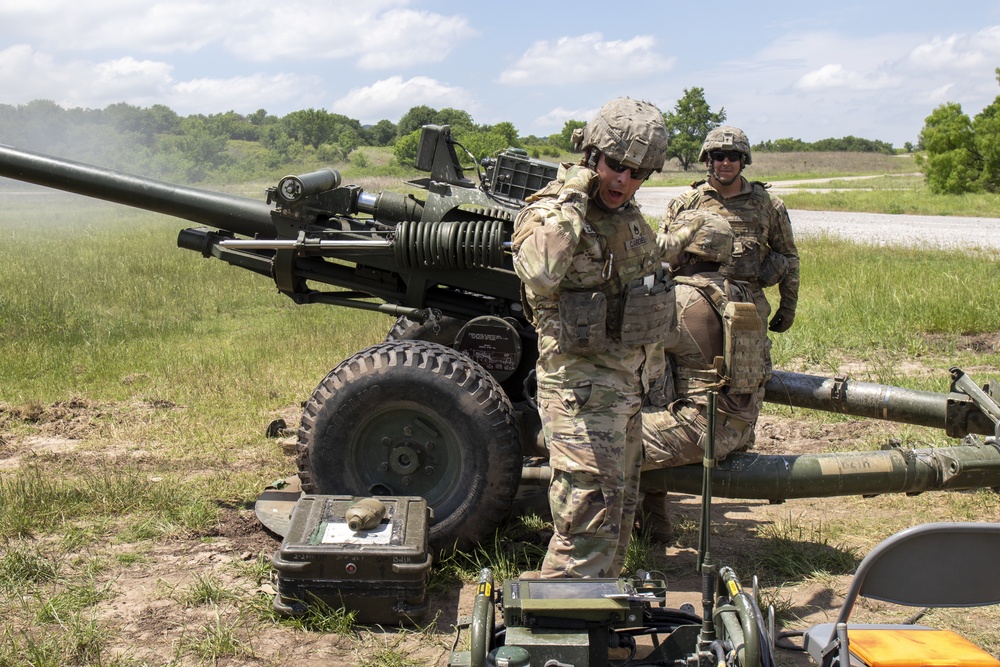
x=742, y=367
x=745, y=219
x=630, y=303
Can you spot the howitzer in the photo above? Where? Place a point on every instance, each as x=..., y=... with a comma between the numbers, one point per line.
x=443, y=408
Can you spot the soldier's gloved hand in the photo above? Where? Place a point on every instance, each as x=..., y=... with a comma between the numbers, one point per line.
x=671, y=243
x=583, y=180
x=782, y=320
x=669, y=250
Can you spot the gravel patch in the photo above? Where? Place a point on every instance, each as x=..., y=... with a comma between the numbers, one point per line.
x=932, y=231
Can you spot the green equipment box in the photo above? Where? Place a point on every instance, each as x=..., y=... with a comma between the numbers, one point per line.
x=381, y=573
x=514, y=174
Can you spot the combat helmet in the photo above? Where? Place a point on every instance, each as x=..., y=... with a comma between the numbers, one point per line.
x=713, y=242
x=628, y=131
x=726, y=138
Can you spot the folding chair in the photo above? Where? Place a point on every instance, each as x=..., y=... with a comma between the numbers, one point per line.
x=931, y=565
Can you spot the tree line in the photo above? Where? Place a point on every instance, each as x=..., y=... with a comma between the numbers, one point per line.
x=850, y=144
x=234, y=147
x=963, y=154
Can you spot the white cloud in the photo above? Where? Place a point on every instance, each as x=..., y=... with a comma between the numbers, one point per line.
x=587, y=58
x=407, y=38
x=375, y=34
x=80, y=83
x=557, y=117
x=940, y=95
x=180, y=26
x=128, y=68
x=958, y=52
x=243, y=94
x=20, y=56
x=836, y=76
x=87, y=84
x=392, y=97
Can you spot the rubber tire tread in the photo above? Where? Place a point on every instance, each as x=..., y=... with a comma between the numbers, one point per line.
x=491, y=471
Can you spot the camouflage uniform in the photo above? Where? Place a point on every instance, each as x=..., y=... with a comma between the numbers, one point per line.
x=673, y=435
x=762, y=227
x=719, y=343
x=589, y=403
x=764, y=252
x=591, y=270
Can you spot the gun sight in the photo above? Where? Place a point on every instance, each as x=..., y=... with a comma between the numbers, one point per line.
x=294, y=188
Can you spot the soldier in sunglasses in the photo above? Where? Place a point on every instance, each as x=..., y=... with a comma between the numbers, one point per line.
x=594, y=287
x=764, y=252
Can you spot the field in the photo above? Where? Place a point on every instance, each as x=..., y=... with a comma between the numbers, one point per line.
x=795, y=166
x=139, y=380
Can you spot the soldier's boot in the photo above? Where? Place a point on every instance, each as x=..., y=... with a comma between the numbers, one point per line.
x=656, y=518
x=531, y=574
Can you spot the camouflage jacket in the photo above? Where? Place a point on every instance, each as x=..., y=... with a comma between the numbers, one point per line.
x=761, y=225
x=698, y=340
x=563, y=244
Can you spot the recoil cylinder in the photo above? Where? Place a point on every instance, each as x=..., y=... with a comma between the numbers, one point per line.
x=449, y=245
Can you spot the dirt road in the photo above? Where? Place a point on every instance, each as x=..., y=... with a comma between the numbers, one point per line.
x=875, y=228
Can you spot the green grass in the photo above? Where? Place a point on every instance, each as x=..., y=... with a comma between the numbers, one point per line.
x=111, y=499
x=790, y=549
x=884, y=305
x=79, y=639
x=915, y=201
x=131, y=315
x=892, y=184
x=796, y=166
x=220, y=637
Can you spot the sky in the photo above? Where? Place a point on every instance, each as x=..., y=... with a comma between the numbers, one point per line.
x=779, y=69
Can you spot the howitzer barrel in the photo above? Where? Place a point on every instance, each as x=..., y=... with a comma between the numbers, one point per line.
x=783, y=477
x=777, y=477
x=956, y=413
x=240, y=215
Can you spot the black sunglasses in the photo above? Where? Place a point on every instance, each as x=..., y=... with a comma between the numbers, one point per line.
x=618, y=167
x=719, y=156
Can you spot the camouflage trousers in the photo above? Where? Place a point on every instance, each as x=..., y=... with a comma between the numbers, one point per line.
x=675, y=435
x=593, y=435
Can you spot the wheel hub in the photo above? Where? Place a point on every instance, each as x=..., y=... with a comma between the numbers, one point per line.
x=404, y=460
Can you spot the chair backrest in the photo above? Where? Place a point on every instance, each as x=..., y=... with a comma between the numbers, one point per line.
x=931, y=565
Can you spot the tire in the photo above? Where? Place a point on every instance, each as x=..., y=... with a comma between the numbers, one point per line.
x=415, y=418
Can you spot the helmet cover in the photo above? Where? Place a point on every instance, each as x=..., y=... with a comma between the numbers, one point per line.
x=629, y=131
x=726, y=138
x=713, y=242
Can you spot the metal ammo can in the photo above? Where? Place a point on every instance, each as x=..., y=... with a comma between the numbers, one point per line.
x=381, y=573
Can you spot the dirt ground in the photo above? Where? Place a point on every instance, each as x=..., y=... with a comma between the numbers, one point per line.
x=150, y=621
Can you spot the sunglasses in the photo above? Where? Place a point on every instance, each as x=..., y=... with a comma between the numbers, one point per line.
x=618, y=167
x=732, y=156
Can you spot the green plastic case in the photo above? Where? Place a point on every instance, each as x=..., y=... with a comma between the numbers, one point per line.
x=381, y=574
